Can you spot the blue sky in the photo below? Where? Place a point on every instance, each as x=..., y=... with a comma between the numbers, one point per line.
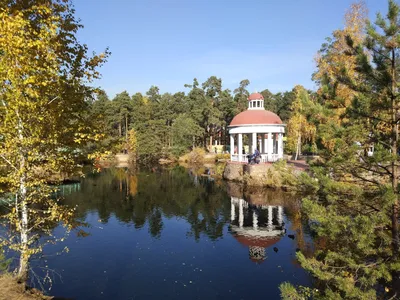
x=169, y=42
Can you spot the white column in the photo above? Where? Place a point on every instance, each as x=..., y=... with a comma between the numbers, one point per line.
x=254, y=142
x=233, y=216
x=232, y=145
x=265, y=144
x=280, y=145
x=240, y=146
x=280, y=215
x=250, y=142
x=260, y=145
x=270, y=146
x=269, y=217
x=241, y=216
x=263, y=149
x=255, y=220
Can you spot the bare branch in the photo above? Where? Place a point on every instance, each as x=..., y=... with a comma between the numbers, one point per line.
x=10, y=163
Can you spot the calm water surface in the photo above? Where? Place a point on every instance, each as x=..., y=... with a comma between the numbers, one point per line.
x=173, y=234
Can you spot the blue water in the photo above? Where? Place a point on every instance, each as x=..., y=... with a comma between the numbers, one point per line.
x=168, y=234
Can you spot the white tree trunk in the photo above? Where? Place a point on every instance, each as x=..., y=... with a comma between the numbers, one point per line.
x=24, y=218
x=24, y=256
x=298, y=147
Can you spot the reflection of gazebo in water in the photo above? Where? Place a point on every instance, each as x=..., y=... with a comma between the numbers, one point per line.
x=256, y=226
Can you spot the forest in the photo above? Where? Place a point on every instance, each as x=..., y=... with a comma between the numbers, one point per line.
x=168, y=125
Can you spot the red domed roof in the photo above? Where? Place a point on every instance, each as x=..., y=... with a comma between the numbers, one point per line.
x=255, y=96
x=256, y=117
x=257, y=242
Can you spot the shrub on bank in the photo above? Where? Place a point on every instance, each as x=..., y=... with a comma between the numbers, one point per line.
x=196, y=156
x=222, y=156
x=285, y=176
x=219, y=169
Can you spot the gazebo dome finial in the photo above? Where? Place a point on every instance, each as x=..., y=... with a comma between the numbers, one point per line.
x=255, y=96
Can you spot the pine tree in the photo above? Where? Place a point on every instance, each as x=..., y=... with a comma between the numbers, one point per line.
x=356, y=209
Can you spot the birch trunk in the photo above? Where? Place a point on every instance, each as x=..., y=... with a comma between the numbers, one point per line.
x=298, y=146
x=24, y=257
x=23, y=223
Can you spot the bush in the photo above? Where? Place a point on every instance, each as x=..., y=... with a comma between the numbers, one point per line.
x=220, y=168
x=283, y=175
x=222, y=156
x=196, y=156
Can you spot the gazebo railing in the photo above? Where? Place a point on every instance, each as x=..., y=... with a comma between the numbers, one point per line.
x=264, y=158
x=269, y=158
x=235, y=157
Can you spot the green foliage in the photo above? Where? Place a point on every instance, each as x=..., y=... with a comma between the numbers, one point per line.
x=289, y=292
x=270, y=101
x=241, y=95
x=354, y=211
x=283, y=104
x=148, y=141
x=184, y=133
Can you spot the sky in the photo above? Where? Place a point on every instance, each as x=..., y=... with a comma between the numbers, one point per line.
x=167, y=43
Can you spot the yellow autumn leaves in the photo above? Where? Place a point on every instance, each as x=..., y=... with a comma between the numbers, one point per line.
x=299, y=128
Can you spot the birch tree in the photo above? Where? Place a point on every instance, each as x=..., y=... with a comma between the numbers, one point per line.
x=44, y=72
x=300, y=129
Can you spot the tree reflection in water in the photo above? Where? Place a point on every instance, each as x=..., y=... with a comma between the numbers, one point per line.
x=149, y=196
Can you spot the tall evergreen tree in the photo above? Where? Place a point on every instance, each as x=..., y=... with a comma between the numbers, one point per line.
x=241, y=95
x=269, y=100
x=356, y=209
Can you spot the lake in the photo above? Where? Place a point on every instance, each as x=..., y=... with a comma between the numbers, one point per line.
x=175, y=234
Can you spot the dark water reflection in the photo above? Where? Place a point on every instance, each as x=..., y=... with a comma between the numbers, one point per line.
x=174, y=234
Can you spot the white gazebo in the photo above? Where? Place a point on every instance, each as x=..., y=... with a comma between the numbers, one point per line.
x=264, y=130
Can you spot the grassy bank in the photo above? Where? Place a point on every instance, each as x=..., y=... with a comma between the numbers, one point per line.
x=282, y=175
x=199, y=155
x=10, y=289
